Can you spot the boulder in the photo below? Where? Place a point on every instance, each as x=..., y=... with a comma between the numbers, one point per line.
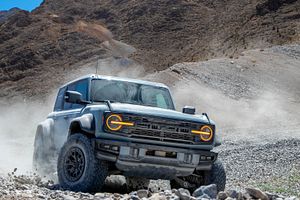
x=183, y=194
x=203, y=197
x=210, y=190
x=157, y=196
x=256, y=193
x=134, y=197
x=142, y=193
x=232, y=193
x=222, y=196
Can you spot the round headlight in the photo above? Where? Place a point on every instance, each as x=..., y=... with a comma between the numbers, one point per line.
x=111, y=122
x=206, y=137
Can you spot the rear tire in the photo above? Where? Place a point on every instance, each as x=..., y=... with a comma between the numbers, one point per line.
x=215, y=176
x=78, y=168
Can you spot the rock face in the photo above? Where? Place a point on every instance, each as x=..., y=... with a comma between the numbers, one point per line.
x=36, y=46
x=4, y=15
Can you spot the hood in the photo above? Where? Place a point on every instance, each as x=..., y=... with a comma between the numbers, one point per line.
x=157, y=112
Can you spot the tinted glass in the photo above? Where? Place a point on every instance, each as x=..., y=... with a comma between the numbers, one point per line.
x=132, y=93
x=59, y=100
x=79, y=86
x=82, y=87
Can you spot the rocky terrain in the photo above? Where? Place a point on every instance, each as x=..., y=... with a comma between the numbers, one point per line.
x=4, y=15
x=24, y=187
x=261, y=138
x=39, y=45
x=199, y=49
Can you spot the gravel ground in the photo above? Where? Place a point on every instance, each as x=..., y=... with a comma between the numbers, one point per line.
x=258, y=161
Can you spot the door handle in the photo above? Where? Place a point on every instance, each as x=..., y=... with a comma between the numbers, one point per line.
x=66, y=117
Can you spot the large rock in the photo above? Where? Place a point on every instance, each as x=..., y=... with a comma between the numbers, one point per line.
x=222, y=196
x=203, y=197
x=232, y=193
x=142, y=193
x=183, y=194
x=134, y=197
x=210, y=190
x=272, y=196
x=256, y=193
x=157, y=196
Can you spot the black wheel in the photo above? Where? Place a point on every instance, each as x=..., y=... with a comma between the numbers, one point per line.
x=78, y=168
x=216, y=176
x=137, y=183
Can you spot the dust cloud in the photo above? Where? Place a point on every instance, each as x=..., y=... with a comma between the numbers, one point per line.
x=19, y=119
x=267, y=111
x=18, y=122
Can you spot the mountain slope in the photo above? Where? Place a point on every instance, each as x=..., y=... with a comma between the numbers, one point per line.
x=36, y=46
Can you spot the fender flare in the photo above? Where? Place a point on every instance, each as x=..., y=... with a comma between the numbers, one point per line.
x=218, y=141
x=45, y=130
x=84, y=123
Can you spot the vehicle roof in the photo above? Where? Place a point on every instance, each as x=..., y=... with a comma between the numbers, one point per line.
x=96, y=76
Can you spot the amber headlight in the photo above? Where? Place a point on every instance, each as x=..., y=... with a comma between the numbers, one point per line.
x=114, y=122
x=205, y=132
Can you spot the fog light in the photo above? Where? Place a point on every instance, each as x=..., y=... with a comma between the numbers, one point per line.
x=115, y=148
x=202, y=158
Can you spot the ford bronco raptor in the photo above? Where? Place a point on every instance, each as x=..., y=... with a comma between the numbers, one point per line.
x=103, y=126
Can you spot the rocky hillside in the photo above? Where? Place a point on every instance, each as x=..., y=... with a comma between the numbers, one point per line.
x=36, y=46
x=4, y=15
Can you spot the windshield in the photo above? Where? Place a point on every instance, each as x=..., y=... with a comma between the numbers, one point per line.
x=132, y=93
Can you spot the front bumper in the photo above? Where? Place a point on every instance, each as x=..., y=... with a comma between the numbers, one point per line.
x=136, y=159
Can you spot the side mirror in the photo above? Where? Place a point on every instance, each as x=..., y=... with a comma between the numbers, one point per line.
x=189, y=110
x=73, y=97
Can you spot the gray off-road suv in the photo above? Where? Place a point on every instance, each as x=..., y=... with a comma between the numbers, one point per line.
x=103, y=126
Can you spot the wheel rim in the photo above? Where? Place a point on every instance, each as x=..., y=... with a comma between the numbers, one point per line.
x=74, y=164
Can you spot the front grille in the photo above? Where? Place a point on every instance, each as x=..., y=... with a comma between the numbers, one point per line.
x=160, y=129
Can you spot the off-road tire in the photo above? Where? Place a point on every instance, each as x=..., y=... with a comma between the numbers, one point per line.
x=137, y=183
x=216, y=176
x=91, y=171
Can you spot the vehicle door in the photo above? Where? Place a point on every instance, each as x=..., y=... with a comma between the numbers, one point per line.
x=68, y=112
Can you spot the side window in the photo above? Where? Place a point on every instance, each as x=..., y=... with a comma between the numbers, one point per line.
x=59, y=99
x=79, y=86
x=67, y=105
x=82, y=87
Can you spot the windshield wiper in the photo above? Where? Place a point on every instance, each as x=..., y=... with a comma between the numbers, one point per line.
x=108, y=103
